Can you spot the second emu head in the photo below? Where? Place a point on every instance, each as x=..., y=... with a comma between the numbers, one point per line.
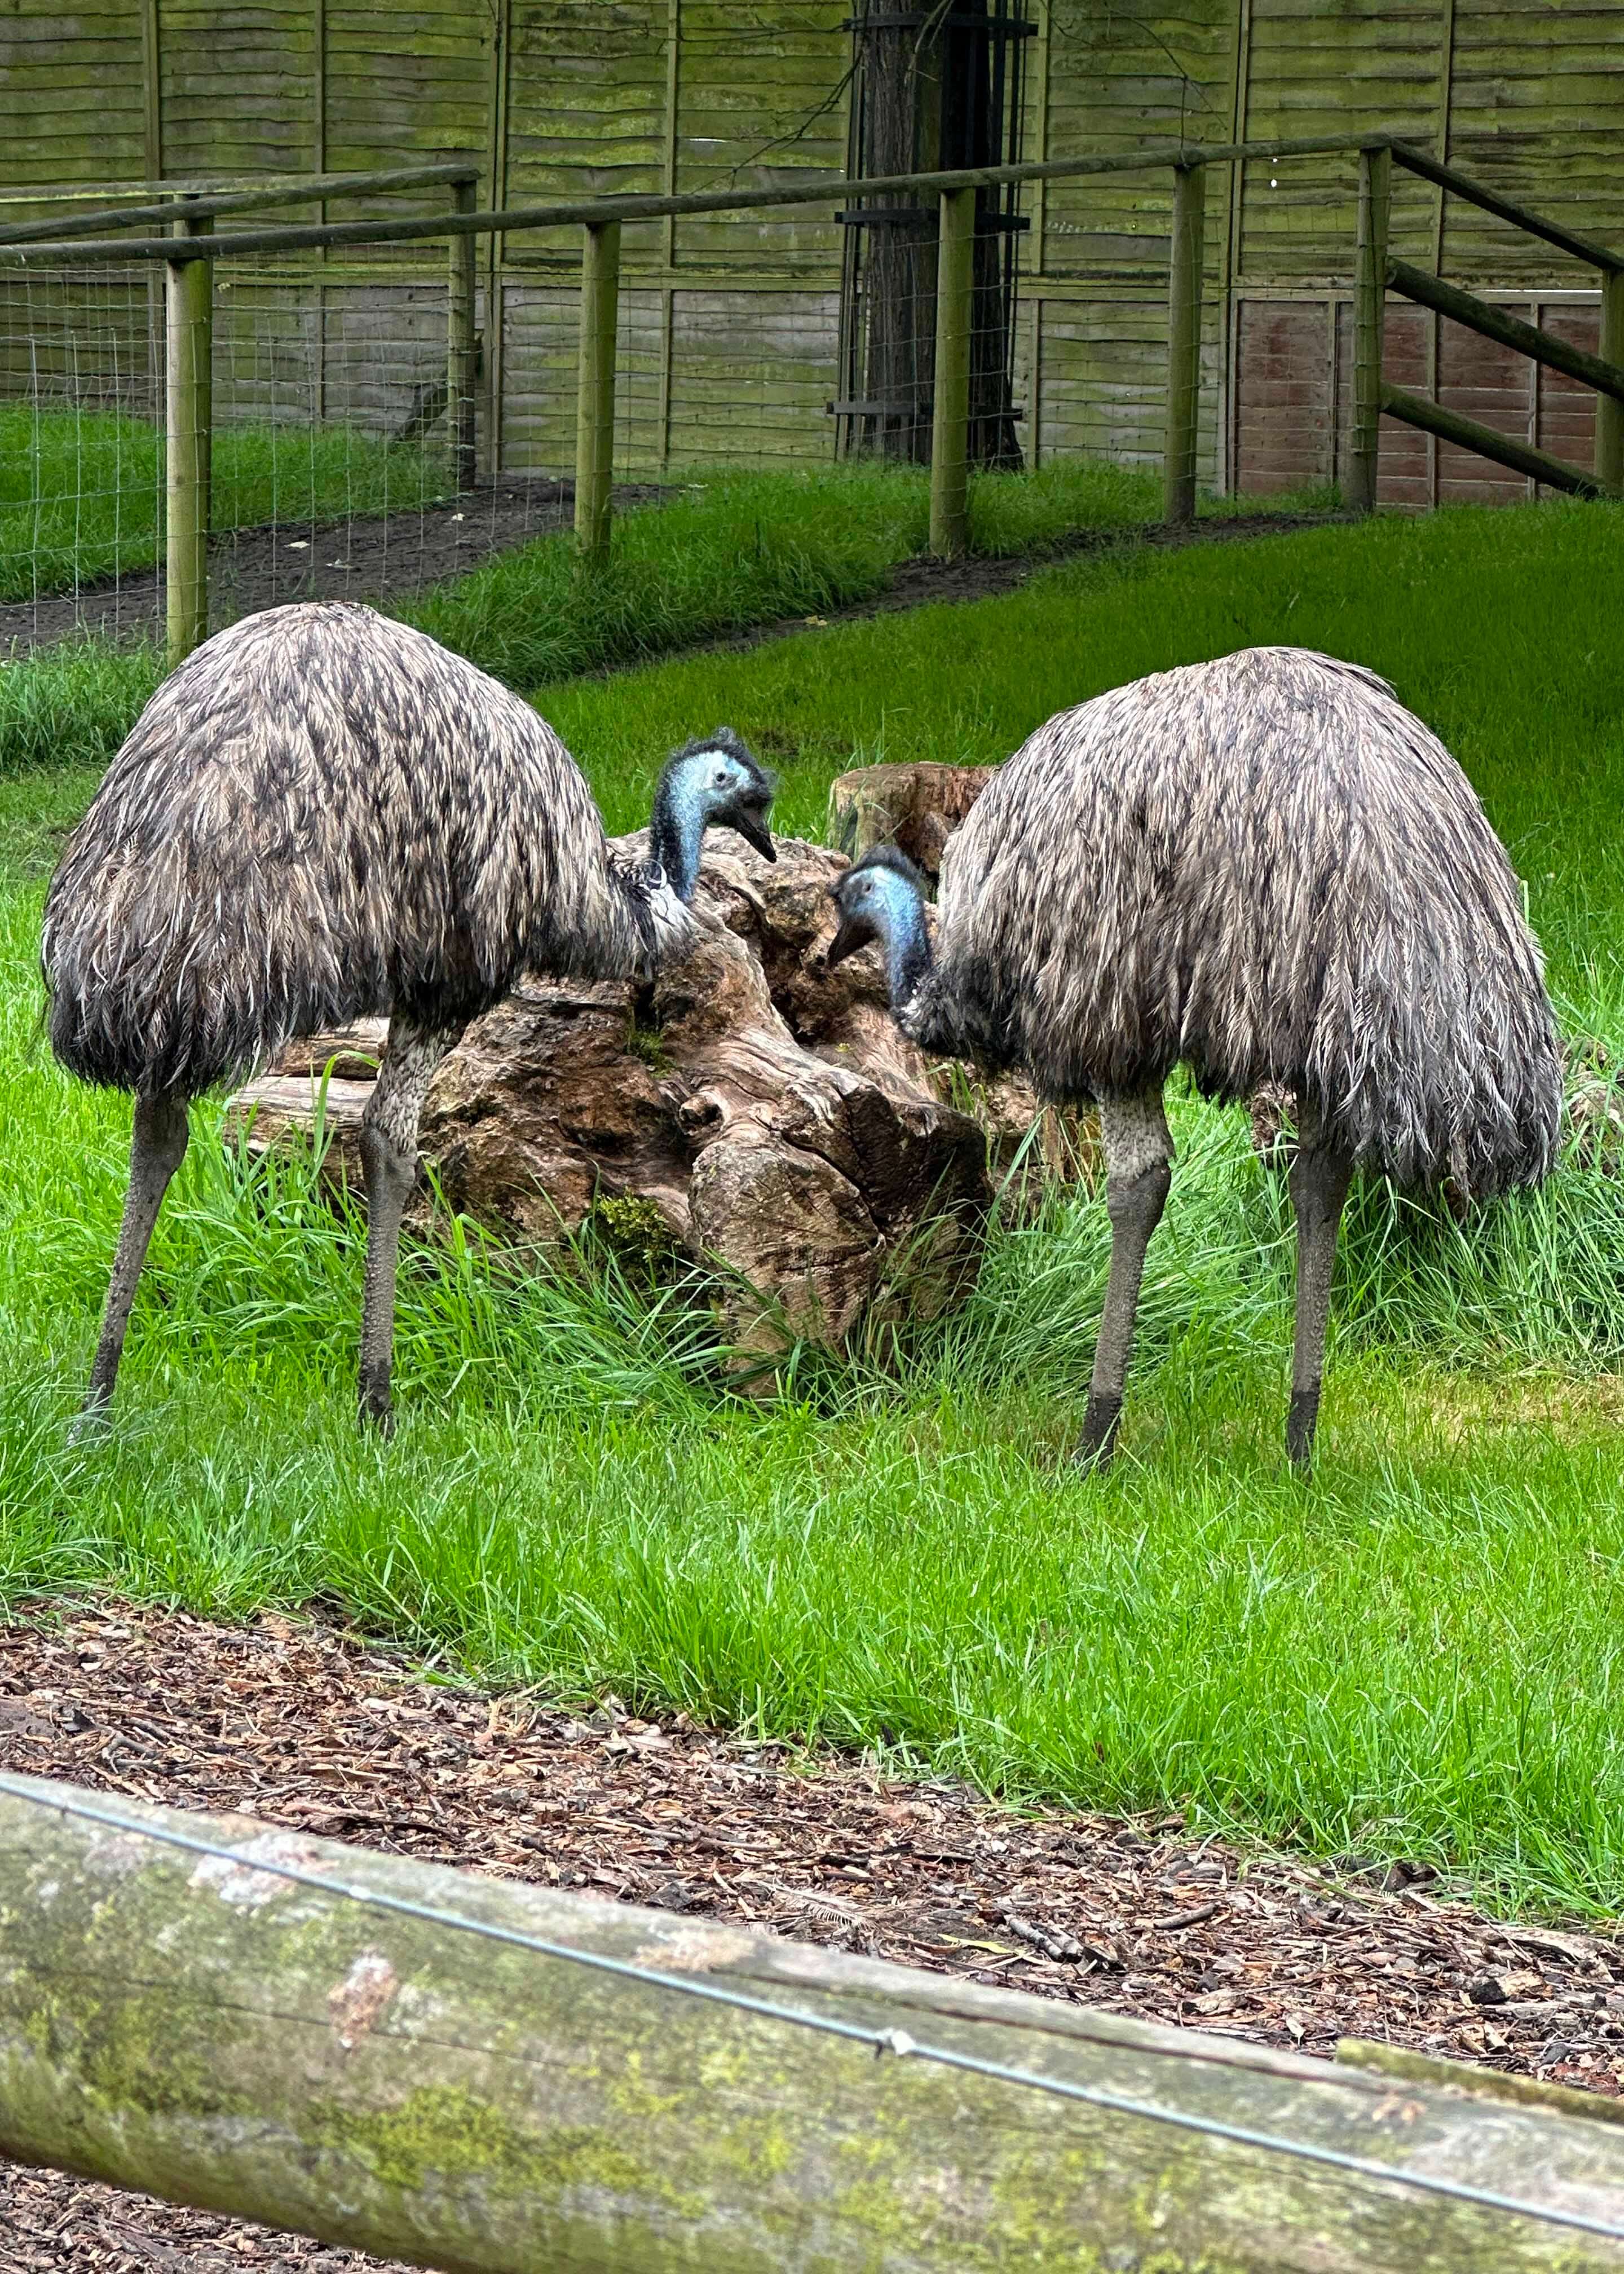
x=883, y=897
x=710, y=782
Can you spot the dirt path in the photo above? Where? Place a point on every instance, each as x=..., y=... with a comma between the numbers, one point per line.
x=393, y=556
x=303, y=1727
x=384, y=556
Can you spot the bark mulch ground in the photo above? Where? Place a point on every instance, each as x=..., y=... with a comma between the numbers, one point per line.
x=305, y=1727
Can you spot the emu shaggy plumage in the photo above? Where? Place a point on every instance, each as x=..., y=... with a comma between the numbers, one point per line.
x=322, y=815
x=1266, y=868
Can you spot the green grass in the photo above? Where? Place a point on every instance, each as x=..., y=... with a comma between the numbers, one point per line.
x=717, y=557
x=81, y=492
x=722, y=554
x=1416, y=1651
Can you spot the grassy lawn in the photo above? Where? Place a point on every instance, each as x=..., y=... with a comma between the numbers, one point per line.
x=715, y=557
x=1417, y=1651
x=81, y=492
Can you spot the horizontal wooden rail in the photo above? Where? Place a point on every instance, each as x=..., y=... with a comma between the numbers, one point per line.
x=304, y=190
x=195, y=2025
x=595, y=212
x=1510, y=331
x=1477, y=193
x=1522, y=457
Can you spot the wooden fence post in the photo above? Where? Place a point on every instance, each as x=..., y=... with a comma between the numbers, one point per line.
x=189, y=306
x=1370, y=293
x=462, y=351
x=1609, y=414
x=1184, y=395
x=950, y=425
x=199, y=2027
x=600, y=282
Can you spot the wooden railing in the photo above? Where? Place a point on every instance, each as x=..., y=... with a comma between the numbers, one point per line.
x=475, y=2074
x=1379, y=274
x=601, y=220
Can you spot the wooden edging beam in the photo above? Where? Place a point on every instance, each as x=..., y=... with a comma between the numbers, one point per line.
x=195, y=2024
x=1477, y=193
x=1521, y=457
x=594, y=212
x=1527, y=339
x=307, y=189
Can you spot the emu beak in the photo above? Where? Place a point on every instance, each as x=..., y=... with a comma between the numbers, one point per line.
x=846, y=941
x=753, y=831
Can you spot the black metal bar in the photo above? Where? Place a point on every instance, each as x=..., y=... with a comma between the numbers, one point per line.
x=994, y=28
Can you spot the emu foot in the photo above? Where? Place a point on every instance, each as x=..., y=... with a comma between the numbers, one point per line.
x=1098, y=1441
x=376, y=1411
x=1300, y=1426
x=94, y=1421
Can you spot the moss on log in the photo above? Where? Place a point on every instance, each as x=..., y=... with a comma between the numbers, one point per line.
x=210, y=2032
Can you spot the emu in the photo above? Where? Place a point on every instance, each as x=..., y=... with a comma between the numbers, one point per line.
x=323, y=815
x=1265, y=869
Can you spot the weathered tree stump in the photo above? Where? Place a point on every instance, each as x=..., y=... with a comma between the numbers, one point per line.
x=916, y=807
x=754, y=1110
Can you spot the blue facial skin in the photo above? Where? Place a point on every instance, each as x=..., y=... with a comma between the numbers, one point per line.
x=881, y=903
x=707, y=788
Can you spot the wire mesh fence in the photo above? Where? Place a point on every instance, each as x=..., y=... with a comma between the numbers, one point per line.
x=365, y=418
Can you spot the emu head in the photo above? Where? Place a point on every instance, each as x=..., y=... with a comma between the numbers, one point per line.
x=713, y=781
x=883, y=897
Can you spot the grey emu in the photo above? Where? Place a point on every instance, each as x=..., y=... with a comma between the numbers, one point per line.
x=1268, y=870
x=322, y=815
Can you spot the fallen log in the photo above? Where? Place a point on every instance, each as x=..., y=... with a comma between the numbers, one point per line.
x=202, y=2026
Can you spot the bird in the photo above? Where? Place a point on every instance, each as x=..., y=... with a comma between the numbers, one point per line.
x=323, y=814
x=1266, y=868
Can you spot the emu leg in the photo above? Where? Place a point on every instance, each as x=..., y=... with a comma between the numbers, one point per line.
x=1319, y=1179
x=1139, y=1153
x=390, y=1158
x=157, y=1148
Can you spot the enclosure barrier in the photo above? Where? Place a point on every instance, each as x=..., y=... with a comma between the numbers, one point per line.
x=477, y=2075
x=189, y=303
x=601, y=220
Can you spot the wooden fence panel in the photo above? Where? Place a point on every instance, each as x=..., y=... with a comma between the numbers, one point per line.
x=760, y=100
x=586, y=107
x=72, y=105
x=237, y=89
x=1335, y=67
x=1535, y=113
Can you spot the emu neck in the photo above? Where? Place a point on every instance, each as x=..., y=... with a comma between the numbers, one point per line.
x=676, y=833
x=908, y=957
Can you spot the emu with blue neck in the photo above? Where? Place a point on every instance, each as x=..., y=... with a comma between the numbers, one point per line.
x=882, y=897
x=712, y=782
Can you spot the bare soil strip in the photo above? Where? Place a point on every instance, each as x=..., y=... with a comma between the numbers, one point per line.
x=304, y=1725
x=393, y=556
